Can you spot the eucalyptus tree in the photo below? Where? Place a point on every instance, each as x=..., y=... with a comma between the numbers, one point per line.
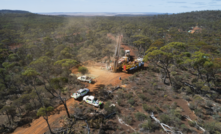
x=43, y=111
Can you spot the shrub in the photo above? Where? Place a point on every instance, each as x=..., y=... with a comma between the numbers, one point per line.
x=192, y=124
x=198, y=112
x=140, y=116
x=108, y=108
x=173, y=73
x=28, y=107
x=166, y=106
x=165, y=119
x=209, y=103
x=175, y=96
x=149, y=125
x=188, y=90
x=131, y=101
x=124, y=81
x=213, y=127
x=143, y=97
x=136, y=74
x=177, y=114
x=216, y=117
x=129, y=95
x=148, y=108
x=194, y=80
x=174, y=105
x=120, y=94
x=132, y=78
x=120, y=103
x=158, y=109
x=152, y=92
x=192, y=106
x=205, y=88
x=83, y=70
x=187, y=98
x=39, y=82
x=183, y=127
x=128, y=120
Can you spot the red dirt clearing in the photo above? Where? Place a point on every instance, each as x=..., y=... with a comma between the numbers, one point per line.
x=39, y=126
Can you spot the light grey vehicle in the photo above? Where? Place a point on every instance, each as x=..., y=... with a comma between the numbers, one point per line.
x=80, y=93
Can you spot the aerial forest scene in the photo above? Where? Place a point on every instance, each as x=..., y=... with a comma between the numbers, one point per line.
x=102, y=72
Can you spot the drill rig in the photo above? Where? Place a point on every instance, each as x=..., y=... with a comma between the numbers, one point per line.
x=126, y=63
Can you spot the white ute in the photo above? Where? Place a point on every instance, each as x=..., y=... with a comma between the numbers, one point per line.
x=80, y=93
x=92, y=100
x=85, y=78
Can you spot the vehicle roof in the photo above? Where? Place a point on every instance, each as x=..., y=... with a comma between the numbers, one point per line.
x=81, y=90
x=91, y=97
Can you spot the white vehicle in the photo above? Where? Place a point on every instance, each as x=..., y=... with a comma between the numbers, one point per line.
x=127, y=52
x=85, y=78
x=80, y=93
x=92, y=100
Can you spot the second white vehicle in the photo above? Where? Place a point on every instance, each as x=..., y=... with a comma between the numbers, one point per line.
x=85, y=79
x=80, y=93
x=92, y=100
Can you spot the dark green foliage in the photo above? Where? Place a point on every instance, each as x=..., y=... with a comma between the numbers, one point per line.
x=213, y=127
x=148, y=108
x=192, y=106
x=120, y=102
x=149, y=125
x=165, y=119
x=140, y=116
x=109, y=109
x=83, y=70
x=192, y=124
x=143, y=97
x=128, y=120
x=28, y=107
x=129, y=95
x=131, y=101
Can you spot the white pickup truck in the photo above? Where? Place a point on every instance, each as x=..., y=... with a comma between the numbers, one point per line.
x=85, y=79
x=92, y=100
x=80, y=93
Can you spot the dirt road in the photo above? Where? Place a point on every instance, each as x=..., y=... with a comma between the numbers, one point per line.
x=39, y=126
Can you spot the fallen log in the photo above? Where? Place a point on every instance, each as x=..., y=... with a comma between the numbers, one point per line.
x=165, y=127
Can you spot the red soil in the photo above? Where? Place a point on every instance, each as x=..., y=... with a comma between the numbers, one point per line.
x=39, y=125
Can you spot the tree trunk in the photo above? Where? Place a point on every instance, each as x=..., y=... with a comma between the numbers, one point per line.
x=4, y=81
x=207, y=80
x=168, y=73
x=38, y=95
x=48, y=125
x=8, y=118
x=65, y=106
x=35, y=104
x=165, y=77
x=199, y=74
x=19, y=110
x=49, y=91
